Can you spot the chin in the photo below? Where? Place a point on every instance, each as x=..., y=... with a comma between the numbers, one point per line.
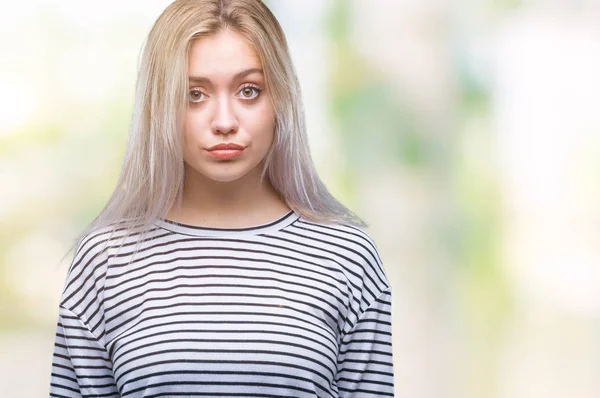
x=224, y=172
x=226, y=176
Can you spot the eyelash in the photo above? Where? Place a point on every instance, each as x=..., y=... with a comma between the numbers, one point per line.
x=249, y=85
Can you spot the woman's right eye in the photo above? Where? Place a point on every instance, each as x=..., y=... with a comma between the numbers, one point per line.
x=195, y=95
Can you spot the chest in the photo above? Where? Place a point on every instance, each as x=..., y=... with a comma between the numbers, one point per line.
x=218, y=325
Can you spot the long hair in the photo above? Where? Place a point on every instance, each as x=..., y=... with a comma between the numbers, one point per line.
x=152, y=173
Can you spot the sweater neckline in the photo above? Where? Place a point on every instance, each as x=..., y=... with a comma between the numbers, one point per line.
x=196, y=230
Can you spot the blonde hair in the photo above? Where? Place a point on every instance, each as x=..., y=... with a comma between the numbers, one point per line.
x=152, y=173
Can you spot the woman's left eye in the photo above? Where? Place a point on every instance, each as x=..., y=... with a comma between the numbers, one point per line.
x=248, y=90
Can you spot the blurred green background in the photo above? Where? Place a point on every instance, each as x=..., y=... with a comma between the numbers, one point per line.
x=466, y=133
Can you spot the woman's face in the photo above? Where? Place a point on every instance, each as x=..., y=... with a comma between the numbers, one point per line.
x=227, y=103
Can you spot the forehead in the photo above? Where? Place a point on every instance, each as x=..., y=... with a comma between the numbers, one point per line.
x=221, y=55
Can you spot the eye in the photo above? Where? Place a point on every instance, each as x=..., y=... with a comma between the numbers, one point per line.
x=248, y=90
x=195, y=95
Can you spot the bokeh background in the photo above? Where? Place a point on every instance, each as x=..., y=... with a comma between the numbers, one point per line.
x=466, y=133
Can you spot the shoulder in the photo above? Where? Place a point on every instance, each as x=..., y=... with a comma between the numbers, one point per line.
x=89, y=261
x=366, y=279
x=352, y=245
x=87, y=270
x=350, y=234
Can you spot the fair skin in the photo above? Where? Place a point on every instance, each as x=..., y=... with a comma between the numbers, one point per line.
x=225, y=108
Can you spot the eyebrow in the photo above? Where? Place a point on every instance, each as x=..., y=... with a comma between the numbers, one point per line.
x=239, y=75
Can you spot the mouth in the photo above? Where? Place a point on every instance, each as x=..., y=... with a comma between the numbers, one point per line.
x=225, y=153
x=226, y=146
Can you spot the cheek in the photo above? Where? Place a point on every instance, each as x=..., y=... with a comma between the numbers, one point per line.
x=264, y=122
x=191, y=135
x=192, y=123
x=193, y=127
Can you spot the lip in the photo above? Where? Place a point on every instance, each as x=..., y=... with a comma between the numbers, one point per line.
x=225, y=153
x=225, y=146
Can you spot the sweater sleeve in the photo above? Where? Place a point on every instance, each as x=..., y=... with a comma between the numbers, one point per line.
x=365, y=361
x=81, y=366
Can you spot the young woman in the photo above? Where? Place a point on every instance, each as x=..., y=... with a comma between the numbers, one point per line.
x=221, y=265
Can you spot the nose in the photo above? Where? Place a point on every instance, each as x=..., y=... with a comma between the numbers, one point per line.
x=224, y=121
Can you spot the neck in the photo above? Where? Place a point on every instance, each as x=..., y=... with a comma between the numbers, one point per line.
x=243, y=202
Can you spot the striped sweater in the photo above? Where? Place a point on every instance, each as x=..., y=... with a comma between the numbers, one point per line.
x=291, y=308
